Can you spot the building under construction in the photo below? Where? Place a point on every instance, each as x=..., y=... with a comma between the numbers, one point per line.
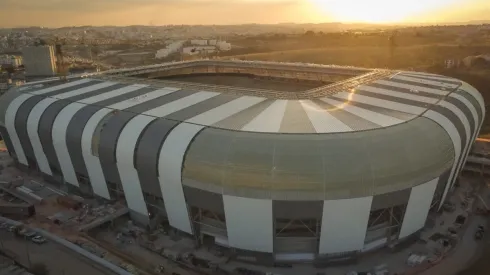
x=352, y=163
x=39, y=61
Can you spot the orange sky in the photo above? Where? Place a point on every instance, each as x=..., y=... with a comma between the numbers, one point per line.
x=55, y=13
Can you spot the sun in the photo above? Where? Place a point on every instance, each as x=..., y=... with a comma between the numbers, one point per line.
x=376, y=11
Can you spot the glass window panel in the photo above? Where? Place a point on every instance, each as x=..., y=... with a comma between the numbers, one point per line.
x=237, y=177
x=252, y=151
x=346, y=162
x=211, y=145
x=204, y=172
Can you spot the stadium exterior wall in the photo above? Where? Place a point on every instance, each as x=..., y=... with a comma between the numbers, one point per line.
x=253, y=183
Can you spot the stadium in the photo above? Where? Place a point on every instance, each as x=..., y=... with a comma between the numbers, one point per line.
x=278, y=161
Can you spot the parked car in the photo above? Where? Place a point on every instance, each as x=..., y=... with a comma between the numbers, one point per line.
x=29, y=234
x=12, y=228
x=38, y=239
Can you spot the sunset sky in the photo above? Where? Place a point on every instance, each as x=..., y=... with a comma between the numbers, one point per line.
x=56, y=13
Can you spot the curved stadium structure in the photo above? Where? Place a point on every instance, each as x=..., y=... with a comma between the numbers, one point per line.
x=337, y=161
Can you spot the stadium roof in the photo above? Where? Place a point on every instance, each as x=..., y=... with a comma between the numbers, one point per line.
x=393, y=99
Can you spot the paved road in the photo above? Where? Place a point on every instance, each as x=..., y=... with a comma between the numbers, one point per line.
x=58, y=259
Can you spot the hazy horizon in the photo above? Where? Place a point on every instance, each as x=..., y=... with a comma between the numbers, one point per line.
x=60, y=13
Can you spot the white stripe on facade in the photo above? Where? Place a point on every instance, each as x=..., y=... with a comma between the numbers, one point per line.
x=111, y=94
x=342, y=234
x=84, y=90
x=467, y=129
x=59, y=87
x=223, y=111
x=180, y=104
x=447, y=125
x=32, y=131
x=401, y=107
x=413, y=96
x=322, y=120
x=170, y=163
x=476, y=120
x=143, y=98
x=426, y=81
x=368, y=115
x=60, y=126
x=418, y=208
x=92, y=162
x=413, y=88
x=269, y=120
x=430, y=76
x=10, y=115
x=249, y=223
x=125, y=150
x=475, y=94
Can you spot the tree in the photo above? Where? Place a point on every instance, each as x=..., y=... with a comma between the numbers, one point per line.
x=309, y=33
x=39, y=269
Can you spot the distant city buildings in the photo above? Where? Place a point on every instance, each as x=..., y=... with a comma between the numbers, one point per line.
x=199, y=46
x=39, y=60
x=170, y=49
x=10, y=61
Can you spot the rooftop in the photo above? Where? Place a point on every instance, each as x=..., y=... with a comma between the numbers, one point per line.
x=363, y=99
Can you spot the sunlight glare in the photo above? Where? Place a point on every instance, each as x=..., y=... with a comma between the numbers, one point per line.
x=378, y=11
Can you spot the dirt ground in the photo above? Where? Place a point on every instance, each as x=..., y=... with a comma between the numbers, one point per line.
x=372, y=56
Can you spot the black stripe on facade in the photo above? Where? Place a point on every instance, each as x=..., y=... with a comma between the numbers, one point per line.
x=242, y=118
x=412, y=91
x=381, y=110
x=204, y=199
x=147, y=154
x=67, y=89
x=93, y=93
x=453, y=118
x=21, y=127
x=109, y=137
x=201, y=107
x=297, y=209
x=74, y=133
x=295, y=119
x=432, y=78
x=152, y=104
x=125, y=96
x=420, y=84
x=473, y=102
x=45, y=131
x=387, y=200
x=354, y=122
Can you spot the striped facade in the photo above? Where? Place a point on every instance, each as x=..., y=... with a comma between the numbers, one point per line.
x=257, y=166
